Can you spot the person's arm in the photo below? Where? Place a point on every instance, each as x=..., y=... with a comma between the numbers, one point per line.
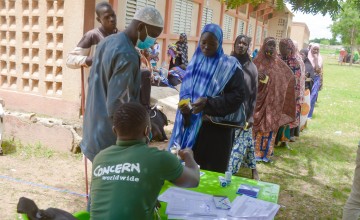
x=80, y=56
x=190, y=176
x=230, y=101
x=252, y=105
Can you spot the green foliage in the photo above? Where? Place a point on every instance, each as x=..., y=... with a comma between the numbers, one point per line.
x=331, y=7
x=315, y=6
x=333, y=41
x=325, y=41
x=347, y=24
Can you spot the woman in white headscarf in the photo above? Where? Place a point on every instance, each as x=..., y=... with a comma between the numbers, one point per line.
x=317, y=62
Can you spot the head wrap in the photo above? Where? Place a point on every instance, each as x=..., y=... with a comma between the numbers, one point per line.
x=204, y=77
x=275, y=103
x=289, y=43
x=308, y=67
x=183, y=48
x=242, y=58
x=149, y=15
x=305, y=51
x=262, y=49
x=297, y=66
x=311, y=57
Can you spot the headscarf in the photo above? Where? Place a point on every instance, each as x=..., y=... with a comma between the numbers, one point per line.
x=308, y=67
x=303, y=71
x=293, y=62
x=311, y=57
x=240, y=58
x=183, y=48
x=204, y=77
x=275, y=104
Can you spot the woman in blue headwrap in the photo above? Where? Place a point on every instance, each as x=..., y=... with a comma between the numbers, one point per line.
x=214, y=85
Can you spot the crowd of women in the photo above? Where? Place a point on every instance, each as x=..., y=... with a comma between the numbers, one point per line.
x=235, y=109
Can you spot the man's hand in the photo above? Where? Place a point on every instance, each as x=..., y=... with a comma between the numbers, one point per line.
x=199, y=105
x=249, y=125
x=186, y=153
x=190, y=176
x=88, y=61
x=184, y=109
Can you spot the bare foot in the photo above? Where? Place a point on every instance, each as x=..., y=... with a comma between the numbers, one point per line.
x=255, y=174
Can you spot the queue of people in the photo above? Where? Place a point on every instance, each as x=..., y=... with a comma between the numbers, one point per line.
x=236, y=109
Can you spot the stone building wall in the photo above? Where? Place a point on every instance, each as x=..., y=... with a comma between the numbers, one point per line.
x=35, y=36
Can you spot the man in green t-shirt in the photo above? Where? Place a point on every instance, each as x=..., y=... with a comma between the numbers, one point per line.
x=127, y=177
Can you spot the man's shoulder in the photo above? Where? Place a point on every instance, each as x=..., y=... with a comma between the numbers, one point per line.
x=108, y=152
x=92, y=32
x=90, y=38
x=118, y=44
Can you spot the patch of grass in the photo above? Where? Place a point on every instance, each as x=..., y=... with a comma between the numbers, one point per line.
x=315, y=177
x=16, y=149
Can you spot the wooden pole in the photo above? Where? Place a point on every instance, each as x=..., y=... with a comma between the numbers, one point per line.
x=89, y=17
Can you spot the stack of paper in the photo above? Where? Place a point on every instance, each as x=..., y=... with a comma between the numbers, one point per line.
x=245, y=207
x=185, y=204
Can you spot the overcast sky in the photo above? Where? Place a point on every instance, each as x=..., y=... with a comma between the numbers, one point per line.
x=318, y=24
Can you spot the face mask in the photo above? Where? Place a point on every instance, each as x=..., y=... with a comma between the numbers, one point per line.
x=147, y=43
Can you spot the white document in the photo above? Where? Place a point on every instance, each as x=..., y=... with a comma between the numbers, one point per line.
x=185, y=204
x=248, y=207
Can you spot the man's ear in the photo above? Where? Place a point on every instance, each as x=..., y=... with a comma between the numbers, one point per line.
x=98, y=19
x=140, y=26
x=114, y=130
x=147, y=131
x=140, y=29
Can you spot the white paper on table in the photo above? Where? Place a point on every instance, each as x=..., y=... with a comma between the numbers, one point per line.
x=248, y=207
x=190, y=205
x=171, y=192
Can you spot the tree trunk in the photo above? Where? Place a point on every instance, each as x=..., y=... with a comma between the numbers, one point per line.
x=352, y=45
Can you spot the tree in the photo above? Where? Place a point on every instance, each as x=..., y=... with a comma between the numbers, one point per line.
x=347, y=25
x=325, y=41
x=333, y=7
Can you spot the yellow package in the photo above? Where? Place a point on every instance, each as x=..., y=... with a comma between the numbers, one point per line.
x=246, y=127
x=184, y=102
x=265, y=80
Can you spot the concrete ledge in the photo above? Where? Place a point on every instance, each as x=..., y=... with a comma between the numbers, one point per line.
x=64, y=136
x=52, y=133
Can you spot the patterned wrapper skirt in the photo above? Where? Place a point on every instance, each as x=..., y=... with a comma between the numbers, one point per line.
x=305, y=109
x=264, y=145
x=243, y=151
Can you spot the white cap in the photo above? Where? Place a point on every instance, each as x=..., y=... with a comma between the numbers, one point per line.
x=149, y=15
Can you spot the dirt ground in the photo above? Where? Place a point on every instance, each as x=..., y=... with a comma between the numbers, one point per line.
x=51, y=179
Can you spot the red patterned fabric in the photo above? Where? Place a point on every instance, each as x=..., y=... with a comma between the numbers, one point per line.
x=275, y=105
